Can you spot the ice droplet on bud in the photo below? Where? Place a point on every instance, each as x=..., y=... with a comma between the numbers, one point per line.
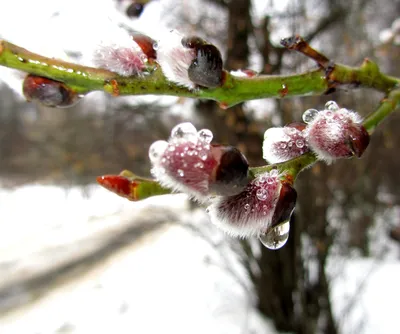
x=205, y=135
x=262, y=194
x=276, y=237
x=309, y=115
x=300, y=143
x=157, y=150
x=331, y=105
x=184, y=130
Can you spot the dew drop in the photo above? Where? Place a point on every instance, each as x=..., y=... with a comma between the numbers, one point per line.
x=331, y=105
x=181, y=173
x=205, y=135
x=155, y=46
x=309, y=115
x=199, y=165
x=261, y=194
x=247, y=207
x=185, y=131
x=156, y=150
x=276, y=237
x=203, y=155
x=283, y=145
x=300, y=143
x=270, y=180
x=290, y=143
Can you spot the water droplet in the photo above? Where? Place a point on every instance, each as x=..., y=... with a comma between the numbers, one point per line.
x=156, y=150
x=290, y=143
x=247, y=207
x=270, y=180
x=205, y=135
x=199, y=165
x=185, y=131
x=261, y=194
x=309, y=115
x=283, y=145
x=203, y=155
x=300, y=143
x=276, y=237
x=331, y=105
x=181, y=173
x=155, y=46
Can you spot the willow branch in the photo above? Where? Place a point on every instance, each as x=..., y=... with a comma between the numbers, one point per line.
x=84, y=79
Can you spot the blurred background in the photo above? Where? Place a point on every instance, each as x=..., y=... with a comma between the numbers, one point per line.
x=77, y=259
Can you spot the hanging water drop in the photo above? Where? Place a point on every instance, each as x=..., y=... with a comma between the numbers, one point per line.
x=276, y=237
x=331, y=105
x=309, y=115
x=157, y=150
x=181, y=173
x=205, y=135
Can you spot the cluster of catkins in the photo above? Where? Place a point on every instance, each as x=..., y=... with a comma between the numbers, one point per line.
x=218, y=175
x=187, y=61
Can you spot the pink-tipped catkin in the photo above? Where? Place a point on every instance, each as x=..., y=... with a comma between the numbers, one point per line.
x=250, y=212
x=282, y=144
x=189, y=163
x=335, y=132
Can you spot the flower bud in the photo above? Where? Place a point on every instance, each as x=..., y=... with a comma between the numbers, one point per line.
x=206, y=69
x=265, y=203
x=335, y=133
x=146, y=44
x=189, y=163
x=189, y=61
x=48, y=92
x=134, y=9
x=126, y=58
x=119, y=185
x=282, y=144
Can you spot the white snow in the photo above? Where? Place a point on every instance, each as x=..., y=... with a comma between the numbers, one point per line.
x=171, y=281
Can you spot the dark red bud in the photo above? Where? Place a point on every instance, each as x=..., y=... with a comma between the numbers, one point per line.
x=206, y=69
x=134, y=9
x=359, y=140
x=231, y=172
x=146, y=44
x=48, y=92
x=118, y=184
x=285, y=205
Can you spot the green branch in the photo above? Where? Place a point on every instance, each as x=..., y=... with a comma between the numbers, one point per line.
x=84, y=79
x=327, y=78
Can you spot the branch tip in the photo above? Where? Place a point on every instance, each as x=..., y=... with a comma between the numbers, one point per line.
x=298, y=44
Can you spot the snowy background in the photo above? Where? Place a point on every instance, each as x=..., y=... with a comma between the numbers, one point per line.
x=164, y=268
